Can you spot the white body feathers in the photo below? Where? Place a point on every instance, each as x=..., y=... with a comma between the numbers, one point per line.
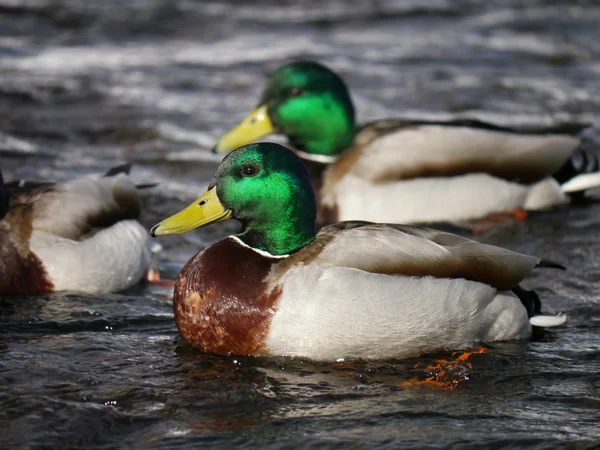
x=111, y=260
x=382, y=291
x=78, y=252
x=385, y=182
x=327, y=313
x=453, y=199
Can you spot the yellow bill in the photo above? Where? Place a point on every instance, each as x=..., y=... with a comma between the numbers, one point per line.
x=256, y=125
x=206, y=209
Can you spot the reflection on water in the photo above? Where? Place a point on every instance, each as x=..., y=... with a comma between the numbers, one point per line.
x=86, y=85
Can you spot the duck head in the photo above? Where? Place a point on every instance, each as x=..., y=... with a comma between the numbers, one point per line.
x=265, y=187
x=305, y=101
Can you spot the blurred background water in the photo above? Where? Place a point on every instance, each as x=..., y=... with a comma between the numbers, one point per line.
x=86, y=85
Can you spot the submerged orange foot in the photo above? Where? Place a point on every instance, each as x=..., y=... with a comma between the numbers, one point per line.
x=152, y=277
x=446, y=375
x=514, y=215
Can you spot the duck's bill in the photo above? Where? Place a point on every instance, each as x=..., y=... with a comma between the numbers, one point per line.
x=205, y=210
x=256, y=125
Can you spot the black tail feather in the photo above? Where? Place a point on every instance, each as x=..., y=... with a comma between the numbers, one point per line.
x=530, y=300
x=547, y=264
x=123, y=168
x=585, y=159
x=146, y=185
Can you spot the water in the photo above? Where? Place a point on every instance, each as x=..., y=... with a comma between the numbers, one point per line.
x=85, y=85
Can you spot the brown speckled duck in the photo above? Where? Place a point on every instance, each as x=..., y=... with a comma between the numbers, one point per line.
x=77, y=236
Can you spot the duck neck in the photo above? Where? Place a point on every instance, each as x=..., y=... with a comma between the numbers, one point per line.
x=285, y=224
x=324, y=127
x=282, y=238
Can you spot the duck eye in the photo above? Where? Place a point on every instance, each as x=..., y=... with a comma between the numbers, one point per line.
x=249, y=170
x=295, y=92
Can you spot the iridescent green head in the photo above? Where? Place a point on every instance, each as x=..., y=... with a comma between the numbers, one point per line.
x=305, y=101
x=266, y=187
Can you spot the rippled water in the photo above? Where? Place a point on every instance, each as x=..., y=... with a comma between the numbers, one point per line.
x=85, y=85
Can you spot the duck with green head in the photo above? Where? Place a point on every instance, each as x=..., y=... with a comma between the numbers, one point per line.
x=352, y=290
x=411, y=171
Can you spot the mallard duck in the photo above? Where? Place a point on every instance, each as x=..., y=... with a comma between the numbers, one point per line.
x=412, y=171
x=352, y=290
x=76, y=236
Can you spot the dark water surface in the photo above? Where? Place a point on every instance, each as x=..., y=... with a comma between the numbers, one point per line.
x=85, y=85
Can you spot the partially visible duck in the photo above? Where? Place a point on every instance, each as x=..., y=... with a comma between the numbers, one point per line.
x=412, y=171
x=4, y=200
x=76, y=236
x=352, y=290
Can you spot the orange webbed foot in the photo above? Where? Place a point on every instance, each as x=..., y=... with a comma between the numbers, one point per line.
x=446, y=375
x=152, y=277
x=515, y=214
x=494, y=220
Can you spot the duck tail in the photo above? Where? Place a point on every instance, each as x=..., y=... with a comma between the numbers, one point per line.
x=581, y=171
x=531, y=301
x=146, y=185
x=122, y=168
x=533, y=305
x=126, y=169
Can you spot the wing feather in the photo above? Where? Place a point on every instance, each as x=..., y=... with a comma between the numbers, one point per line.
x=72, y=209
x=438, y=150
x=415, y=251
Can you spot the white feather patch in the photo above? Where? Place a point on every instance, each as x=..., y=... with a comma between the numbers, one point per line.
x=425, y=200
x=111, y=260
x=326, y=313
x=582, y=182
x=257, y=250
x=544, y=194
x=325, y=159
x=548, y=321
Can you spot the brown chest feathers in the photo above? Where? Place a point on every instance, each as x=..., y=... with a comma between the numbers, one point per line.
x=20, y=272
x=222, y=303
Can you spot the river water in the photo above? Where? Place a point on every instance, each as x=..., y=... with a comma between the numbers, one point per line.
x=85, y=85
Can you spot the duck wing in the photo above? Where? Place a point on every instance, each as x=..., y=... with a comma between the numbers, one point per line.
x=403, y=149
x=72, y=209
x=415, y=251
